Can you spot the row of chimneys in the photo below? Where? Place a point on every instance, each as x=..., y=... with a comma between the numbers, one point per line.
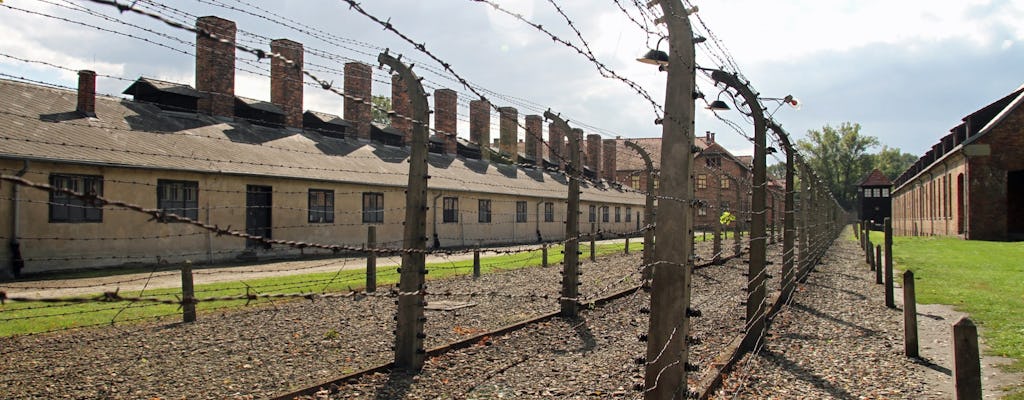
x=215, y=77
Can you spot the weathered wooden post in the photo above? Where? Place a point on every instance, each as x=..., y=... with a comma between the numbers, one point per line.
x=909, y=315
x=966, y=360
x=409, y=350
x=626, y=249
x=887, y=241
x=593, y=243
x=878, y=271
x=476, y=261
x=544, y=255
x=188, y=293
x=371, y=259
x=889, y=300
x=570, y=263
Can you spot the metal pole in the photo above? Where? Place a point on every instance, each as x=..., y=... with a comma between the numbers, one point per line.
x=409, y=351
x=669, y=328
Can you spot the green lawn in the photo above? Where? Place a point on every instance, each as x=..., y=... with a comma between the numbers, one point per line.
x=984, y=279
x=33, y=317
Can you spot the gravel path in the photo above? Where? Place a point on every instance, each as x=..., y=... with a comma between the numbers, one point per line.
x=835, y=340
x=838, y=340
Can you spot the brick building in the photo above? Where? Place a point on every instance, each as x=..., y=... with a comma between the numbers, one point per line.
x=971, y=183
x=720, y=179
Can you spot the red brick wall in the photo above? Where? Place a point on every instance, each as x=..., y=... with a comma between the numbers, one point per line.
x=509, y=132
x=400, y=104
x=556, y=145
x=445, y=118
x=87, y=92
x=480, y=124
x=215, y=66
x=535, y=138
x=608, y=157
x=358, y=82
x=988, y=177
x=593, y=153
x=286, y=80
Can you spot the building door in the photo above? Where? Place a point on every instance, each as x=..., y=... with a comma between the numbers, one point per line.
x=960, y=204
x=1015, y=205
x=258, y=203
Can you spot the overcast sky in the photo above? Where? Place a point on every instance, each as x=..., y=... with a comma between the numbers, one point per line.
x=907, y=71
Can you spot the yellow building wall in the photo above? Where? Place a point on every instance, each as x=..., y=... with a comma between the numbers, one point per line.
x=129, y=237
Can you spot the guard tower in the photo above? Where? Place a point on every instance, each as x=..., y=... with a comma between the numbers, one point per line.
x=875, y=205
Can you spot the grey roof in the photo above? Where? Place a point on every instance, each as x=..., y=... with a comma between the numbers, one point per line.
x=164, y=86
x=40, y=123
x=261, y=105
x=329, y=118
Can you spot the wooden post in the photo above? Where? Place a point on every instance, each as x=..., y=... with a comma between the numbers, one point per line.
x=887, y=241
x=593, y=243
x=544, y=255
x=878, y=272
x=889, y=300
x=626, y=250
x=909, y=315
x=872, y=263
x=966, y=363
x=188, y=293
x=371, y=259
x=409, y=332
x=476, y=261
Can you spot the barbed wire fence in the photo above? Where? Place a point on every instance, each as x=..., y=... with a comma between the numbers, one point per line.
x=811, y=220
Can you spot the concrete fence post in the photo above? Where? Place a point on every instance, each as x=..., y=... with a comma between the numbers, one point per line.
x=909, y=315
x=967, y=362
x=409, y=331
x=371, y=259
x=188, y=293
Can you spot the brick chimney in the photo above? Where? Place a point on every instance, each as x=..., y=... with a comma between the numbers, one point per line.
x=480, y=125
x=215, y=65
x=608, y=154
x=286, y=80
x=87, y=93
x=577, y=133
x=402, y=107
x=445, y=118
x=594, y=153
x=556, y=145
x=358, y=81
x=535, y=138
x=710, y=138
x=509, y=131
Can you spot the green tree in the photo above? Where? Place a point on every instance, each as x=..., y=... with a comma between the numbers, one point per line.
x=380, y=108
x=839, y=156
x=892, y=162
